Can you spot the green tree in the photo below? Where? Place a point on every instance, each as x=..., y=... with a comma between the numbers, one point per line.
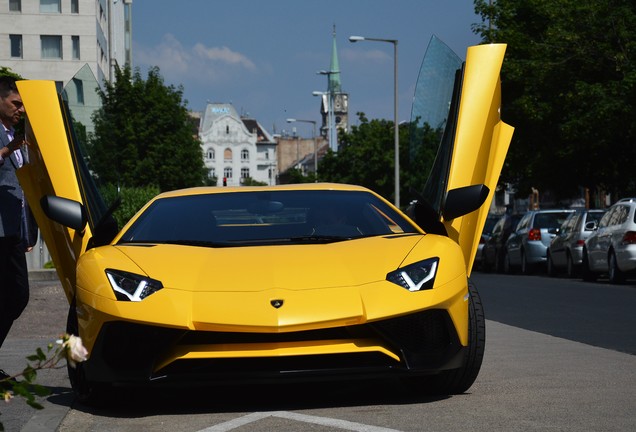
x=6, y=71
x=568, y=89
x=143, y=136
x=366, y=157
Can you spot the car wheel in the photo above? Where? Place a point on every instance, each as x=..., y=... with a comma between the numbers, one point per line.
x=499, y=263
x=507, y=266
x=586, y=272
x=457, y=381
x=526, y=267
x=616, y=276
x=550, y=266
x=485, y=267
x=86, y=392
x=572, y=270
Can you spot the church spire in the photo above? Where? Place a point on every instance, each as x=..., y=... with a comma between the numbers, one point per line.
x=334, y=76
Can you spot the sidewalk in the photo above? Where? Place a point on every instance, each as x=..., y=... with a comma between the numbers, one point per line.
x=42, y=322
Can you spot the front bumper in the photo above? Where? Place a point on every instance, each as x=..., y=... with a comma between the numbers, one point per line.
x=128, y=353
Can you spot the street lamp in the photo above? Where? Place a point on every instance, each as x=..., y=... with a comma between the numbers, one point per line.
x=354, y=39
x=313, y=122
x=333, y=135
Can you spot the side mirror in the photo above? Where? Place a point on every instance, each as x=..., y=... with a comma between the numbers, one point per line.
x=64, y=211
x=464, y=200
x=591, y=226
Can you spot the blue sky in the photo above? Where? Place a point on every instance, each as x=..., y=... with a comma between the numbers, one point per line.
x=262, y=55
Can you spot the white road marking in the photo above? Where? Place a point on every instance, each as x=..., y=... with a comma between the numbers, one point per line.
x=303, y=418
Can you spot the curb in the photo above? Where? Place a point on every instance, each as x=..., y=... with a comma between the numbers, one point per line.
x=43, y=275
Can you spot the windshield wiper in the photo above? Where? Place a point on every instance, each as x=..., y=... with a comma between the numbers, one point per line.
x=202, y=243
x=320, y=238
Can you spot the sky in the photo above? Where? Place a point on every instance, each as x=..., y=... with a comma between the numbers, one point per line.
x=262, y=56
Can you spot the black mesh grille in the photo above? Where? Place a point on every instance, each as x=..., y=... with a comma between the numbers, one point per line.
x=423, y=341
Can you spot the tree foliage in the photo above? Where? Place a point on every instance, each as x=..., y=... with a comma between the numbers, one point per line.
x=143, y=136
x=568, y=89
x=366, y=157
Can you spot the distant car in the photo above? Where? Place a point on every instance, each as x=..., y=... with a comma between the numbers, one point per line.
x=527, y=246
x=611, y=248
x=493, y=252
x=491, y=220
x=271, y=283
x=565, y=251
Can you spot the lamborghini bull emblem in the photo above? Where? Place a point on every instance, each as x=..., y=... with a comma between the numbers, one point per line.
x=277, y=303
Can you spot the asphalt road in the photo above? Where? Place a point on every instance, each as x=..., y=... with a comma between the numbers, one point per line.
x=559, y=357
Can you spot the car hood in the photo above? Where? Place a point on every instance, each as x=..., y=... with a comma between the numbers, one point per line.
x=254, y=268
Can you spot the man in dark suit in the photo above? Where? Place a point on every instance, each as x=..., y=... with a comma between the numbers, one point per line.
x=14, y=282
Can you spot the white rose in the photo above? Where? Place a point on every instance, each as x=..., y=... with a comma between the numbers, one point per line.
x=75, y=350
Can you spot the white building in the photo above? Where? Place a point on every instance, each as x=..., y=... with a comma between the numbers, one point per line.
x=53, y=39
x=236, y=148
x=67, y=41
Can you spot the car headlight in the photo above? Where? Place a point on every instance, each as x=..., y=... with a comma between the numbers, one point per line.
x=417, y=276
x=131, y=286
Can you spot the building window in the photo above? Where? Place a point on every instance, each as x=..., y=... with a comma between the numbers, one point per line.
x=79, y=88
x=50, y=6
x=210, y=154
x=245, y=155
x=74, y=6
x=51, y=47
x=59, y=86
x=227, y=173
x=227, y=154
x=76, y=47
x=211, y=174
x=245, y=172
x=15, y=5
x=16, y=46
x=227, y=129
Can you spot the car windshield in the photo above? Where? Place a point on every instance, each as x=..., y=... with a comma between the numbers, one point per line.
x=267, y=217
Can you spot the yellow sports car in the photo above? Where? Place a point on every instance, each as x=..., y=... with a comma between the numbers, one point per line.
x=220, y=284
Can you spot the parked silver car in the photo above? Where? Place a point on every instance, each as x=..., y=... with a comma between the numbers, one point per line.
x=611, y=248
x=527, y=245
x=565, y=251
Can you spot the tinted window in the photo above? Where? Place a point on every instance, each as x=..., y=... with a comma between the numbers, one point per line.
x=569, y=223
x=549, y=220
x=594, y=216
x=256, y=216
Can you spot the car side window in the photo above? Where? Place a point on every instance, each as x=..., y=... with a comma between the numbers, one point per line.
x=617, y=215
x=605, y=220
x=523, y=223
x=496, y=228
x=623, y=215
x=569, y=224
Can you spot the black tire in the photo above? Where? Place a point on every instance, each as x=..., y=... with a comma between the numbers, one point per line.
x=507, y=267
x=615, y=274
x=586, y=272
x=458, y=381
x=499, y=262
x=571, y=269
x=485, y=267
x=86, y=391
x=526, y=267
x=550, y=269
